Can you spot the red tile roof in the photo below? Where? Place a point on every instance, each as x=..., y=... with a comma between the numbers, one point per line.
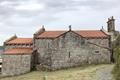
x=51, y=34
x=21, y=41
x=83, y=33
x=91, y=33
x=19, y=51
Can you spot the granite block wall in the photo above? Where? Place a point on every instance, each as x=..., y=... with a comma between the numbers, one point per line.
x=70, y=49
x=16, y=64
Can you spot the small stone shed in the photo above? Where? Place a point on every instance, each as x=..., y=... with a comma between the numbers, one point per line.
x=17, y=61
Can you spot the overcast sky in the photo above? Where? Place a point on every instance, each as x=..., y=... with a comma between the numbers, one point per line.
x=24, y=17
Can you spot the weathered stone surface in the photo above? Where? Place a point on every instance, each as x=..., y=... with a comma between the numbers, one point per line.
x=43, y=47
x=71, y=50
x=16, y=64
x=11, y=46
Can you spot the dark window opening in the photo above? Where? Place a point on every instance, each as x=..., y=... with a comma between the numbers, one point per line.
x=69, y=55
x=96, y=51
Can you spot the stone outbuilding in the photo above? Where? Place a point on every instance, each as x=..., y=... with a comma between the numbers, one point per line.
x=18, y=56
x=17, y=61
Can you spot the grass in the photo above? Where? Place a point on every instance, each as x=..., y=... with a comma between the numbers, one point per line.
x=116, y=70
x=79, y=73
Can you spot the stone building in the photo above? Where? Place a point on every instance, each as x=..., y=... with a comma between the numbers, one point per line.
x=62, y=49
x=18, y=56
x=56, y=50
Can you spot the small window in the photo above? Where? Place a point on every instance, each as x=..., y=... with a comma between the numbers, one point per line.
x=69, y=55
x=97, y=52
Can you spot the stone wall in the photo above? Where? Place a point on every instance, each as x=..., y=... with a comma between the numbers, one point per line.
x=66, y=51
x=44, y=50
x=11, y=46
x=71, y=50
x=100, y=41
x=98, y=54
x=16, y=64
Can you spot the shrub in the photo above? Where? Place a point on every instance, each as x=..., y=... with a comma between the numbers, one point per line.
x=116, y=70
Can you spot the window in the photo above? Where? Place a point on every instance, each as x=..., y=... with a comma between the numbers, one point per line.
x=69, y=54
x=97, y=52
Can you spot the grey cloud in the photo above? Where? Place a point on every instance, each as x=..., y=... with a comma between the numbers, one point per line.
x=56, y=6
x=13, y=20
x=68, y=4
x=52, y=7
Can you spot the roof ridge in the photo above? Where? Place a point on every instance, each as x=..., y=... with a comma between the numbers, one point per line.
x=85, y=30
x=57, y=30
x=24, y=38
x=22, y=48
x=74, y=30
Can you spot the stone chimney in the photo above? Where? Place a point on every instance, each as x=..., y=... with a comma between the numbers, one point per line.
x=111, y=24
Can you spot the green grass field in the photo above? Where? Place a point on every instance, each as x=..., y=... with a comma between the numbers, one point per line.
x=79, y=73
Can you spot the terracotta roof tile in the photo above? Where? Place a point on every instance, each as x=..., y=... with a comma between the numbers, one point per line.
x=84, y=33
x=91, y=33
x=19, y=51
x=21, y=41
x=51, y=34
